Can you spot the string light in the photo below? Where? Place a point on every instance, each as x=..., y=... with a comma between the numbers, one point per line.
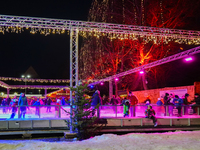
x=42, y=80
x=165, y=36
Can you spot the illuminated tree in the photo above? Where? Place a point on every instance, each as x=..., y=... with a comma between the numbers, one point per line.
x=102, y=57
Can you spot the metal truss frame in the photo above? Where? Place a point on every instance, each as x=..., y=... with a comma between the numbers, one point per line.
x=152, y=64
x=75, y=26
x=4, y=85
x=73, y=65
x=61, y=24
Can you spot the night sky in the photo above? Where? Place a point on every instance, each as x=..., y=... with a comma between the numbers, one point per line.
x=49, y=55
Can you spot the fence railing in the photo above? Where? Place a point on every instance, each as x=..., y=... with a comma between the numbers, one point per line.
x=104, y=111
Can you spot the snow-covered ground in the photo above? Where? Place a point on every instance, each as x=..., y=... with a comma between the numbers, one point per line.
x=181, y=140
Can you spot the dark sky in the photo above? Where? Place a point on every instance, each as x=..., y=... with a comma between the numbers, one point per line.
x=48, y=55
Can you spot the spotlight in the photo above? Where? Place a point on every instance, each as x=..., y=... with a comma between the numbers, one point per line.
x=101, y=83
x=116, y=79
x=141, y=72
x=91, y=86
x=188, y=59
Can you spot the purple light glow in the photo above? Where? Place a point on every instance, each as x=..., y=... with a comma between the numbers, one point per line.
x=188, y=59
x=101, y=83
x=116, y=79
x=141, y=72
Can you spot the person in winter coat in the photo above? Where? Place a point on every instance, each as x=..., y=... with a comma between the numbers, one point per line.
x=4, y=103
x=185, y=99
x=178, y=102
x=96, y=100
x=148, y=100
x=126, y=106
x=150, y=113
x=196, y=101
x=49, y=105
x=37, y=104
x=58, y=103
x=159, y=102
x=133, y=99
x=22, y=103
x=13, y=104
x=166, y=100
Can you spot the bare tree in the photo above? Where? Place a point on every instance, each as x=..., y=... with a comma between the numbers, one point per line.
x=102, y=57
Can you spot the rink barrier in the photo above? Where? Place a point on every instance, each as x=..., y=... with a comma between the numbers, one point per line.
x=104, y=111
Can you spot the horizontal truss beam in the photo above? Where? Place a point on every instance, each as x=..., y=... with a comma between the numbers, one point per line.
x=153, y=64
x=61, y=24
x=4, y=85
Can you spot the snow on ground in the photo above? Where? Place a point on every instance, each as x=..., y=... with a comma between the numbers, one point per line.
x=181, y=140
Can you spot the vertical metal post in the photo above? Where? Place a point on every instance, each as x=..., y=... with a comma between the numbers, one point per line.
x=18, y=112
x=167, y=110
x=59, y=112
x=8, y=91
x=45, y=91
x=38, y=111
x=73, y=67
x=110, y=89
x=98, y=112
x=116, y=111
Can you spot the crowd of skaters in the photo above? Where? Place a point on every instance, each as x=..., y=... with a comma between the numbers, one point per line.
x=23, y=102
x=168, y=100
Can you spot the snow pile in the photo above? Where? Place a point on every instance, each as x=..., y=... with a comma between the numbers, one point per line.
x=182, y=140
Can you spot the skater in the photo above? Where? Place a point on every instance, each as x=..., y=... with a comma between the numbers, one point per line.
x=150, y=113
x=13, y=104
x=126, y=106
x=96, y=100
x=37, y=104
x=22, y=103
x=49, y=105
x=4, y=103
x=58, y=103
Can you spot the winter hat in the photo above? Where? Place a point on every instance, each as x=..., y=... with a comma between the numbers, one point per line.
x=186, y=94
x=176, y=96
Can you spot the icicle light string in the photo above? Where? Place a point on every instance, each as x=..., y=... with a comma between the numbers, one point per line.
x=40, y=80
x=156, y=34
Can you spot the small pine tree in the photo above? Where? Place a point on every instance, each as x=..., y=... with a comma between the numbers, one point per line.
x=83, y=122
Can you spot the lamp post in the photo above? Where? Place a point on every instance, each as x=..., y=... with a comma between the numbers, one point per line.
x=25, y=77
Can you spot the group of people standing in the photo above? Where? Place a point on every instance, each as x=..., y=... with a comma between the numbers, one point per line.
x=24, y=102
x=178, y=103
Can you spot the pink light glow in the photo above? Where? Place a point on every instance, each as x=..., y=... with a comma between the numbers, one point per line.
x=116, y=79
x=188, y=59
x=101, y=83
x=141, y=72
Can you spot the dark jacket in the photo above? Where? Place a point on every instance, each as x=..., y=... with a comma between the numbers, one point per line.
x=22, y=101
x=4, y=103
x=149, y=113
x=166, y=100
x=185, y=101
x=197, y=100
x=96, y=99
x=49, y=101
